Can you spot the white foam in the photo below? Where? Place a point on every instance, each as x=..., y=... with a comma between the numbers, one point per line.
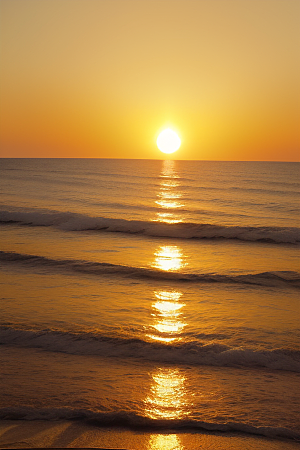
x=132, y=419
x=193, y=353
x=278, y=278
x=79, y=222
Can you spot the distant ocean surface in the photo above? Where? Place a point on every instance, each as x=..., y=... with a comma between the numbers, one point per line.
x=153, y=294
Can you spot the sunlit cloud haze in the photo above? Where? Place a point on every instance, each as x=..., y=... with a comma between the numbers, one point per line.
x=102, y=78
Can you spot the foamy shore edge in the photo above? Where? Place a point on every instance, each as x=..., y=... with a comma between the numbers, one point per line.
x=75, y=434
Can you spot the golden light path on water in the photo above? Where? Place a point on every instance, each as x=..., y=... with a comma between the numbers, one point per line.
x=169, y=195
x=168, y=257
x=167, y=218
x=167, y=316
x=167, y=307
x=164, y=442
x=167, y=398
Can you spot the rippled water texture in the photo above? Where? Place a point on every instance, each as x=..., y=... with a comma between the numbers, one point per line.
x=151, y=294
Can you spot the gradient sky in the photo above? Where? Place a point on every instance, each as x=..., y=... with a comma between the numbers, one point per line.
x=101, y=78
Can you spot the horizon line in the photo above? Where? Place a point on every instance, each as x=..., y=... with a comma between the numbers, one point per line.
x=145, y=159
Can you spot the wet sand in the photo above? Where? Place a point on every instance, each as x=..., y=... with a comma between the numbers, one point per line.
x=72, y=434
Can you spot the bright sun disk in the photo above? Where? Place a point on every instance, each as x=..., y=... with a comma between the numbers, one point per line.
x=168, y=141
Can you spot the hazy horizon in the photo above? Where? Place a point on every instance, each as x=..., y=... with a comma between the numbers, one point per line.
x=150, y=159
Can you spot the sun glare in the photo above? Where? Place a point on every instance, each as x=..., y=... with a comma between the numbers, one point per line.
x=168, y=141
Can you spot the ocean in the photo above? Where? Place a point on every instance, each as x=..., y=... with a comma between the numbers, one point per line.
x=151, y=294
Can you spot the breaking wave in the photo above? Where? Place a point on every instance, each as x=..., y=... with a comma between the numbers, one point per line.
x=80, y=222
x=192, y=353
x=135, y=420
x=273, y=278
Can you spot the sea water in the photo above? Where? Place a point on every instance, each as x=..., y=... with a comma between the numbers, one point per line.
x=153, y=294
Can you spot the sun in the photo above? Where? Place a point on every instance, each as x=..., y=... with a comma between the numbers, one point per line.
x=168, y=141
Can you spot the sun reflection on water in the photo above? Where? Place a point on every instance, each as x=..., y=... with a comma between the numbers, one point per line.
x=167, y=398
x=169, y=195
x=167, y=218
x=167, y=316
x=169, y=257
x=166, y=203
x=164, y=442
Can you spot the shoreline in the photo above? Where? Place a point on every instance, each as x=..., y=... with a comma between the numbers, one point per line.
x=77, y=434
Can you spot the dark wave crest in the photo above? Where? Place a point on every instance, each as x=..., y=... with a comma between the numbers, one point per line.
x=80, y=222
x=191, y=353
x=135, y=420
x=274, y=278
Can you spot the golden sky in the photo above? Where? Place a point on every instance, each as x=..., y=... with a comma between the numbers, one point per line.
x=101, y=78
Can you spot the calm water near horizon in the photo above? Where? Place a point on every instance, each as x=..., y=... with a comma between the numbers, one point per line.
x=155, y=294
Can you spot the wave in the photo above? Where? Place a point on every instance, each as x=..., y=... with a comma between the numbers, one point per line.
x=134, y=420
x=80, y=222
x=191, y=353
x=274, y=278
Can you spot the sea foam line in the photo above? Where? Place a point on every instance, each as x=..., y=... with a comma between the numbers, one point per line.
x=79, y=222
x=194, y=353
x=134, y=420
x=272, y=278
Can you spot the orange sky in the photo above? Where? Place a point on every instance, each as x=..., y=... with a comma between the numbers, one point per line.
x=101, y=78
